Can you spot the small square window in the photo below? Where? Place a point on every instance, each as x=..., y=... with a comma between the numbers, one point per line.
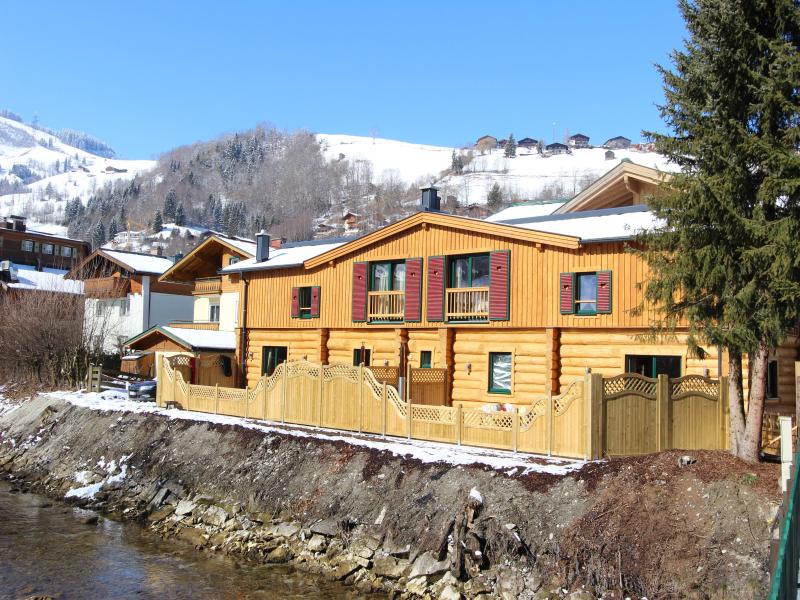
x=47, y=248
x=27, y=245
x=66, y=251
x=500, y=366
x=425, y=358
x=361, y=356
x=233, y=260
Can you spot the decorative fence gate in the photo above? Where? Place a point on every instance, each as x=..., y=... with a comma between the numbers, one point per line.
x=428, y=386
x=638, y=414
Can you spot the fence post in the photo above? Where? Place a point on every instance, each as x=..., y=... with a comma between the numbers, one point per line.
x=174, y=385
x=459, y=422
x=593, y=396
x=360, y=394
x=551, y=422
x=515, y=429
x=721, y=411
x=246, y=402
x=216, y=398
x=786, y=450
x=408, y=419
x=383, y=411
x=283, y=392
x=663, y=421
x=320, y=392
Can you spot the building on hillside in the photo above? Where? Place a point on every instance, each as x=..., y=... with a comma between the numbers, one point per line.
x=351, y=222
x=617, y=143
x=557, y=148
x=486, y=143
x=23, y=279
x=610, y=155
x=578, y=141
x=527, y=142
x=24, y=246
x=124, y=296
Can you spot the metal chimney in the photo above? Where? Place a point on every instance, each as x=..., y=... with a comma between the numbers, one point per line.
x=262, y=246
x=430, y=199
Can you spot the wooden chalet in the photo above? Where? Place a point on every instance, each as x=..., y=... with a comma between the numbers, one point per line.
x=578, y=141
x=557, y=148
x=617, y=143
x=24, y=246
x=486, y=143
x=527, y=142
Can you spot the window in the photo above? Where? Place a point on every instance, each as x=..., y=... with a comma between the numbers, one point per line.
x=361, y=356
x=586, y=293
x=469, y=271
x=47, y=248
x=125, y=306
x=425, y=359
x=305, y=302
x=233, y=260
x=652, y=366
x=66, y=251
x=388, y=276
x=271, y=357
x=213, y=313
x=772, y=379
x=500, y=372
x=27, y=245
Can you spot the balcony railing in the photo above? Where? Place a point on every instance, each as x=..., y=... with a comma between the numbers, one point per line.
x=386, y=306
x=205, y=325
x=207, y=285
x=467, y=304
x=107, y=287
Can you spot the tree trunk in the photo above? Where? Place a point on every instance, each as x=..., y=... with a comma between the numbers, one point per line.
x=750, y=449
x=736, y=400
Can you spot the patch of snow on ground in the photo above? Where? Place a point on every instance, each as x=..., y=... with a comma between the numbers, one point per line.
x=89, y=490
x=426, y=452
x=474, y=494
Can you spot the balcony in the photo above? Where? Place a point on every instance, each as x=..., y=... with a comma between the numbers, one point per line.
x=207, y=285
x=204, y=325
x=467, y=304
x=386, y=306
x=107, y=287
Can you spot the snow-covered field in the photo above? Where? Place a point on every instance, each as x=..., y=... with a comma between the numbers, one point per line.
x=427, y=452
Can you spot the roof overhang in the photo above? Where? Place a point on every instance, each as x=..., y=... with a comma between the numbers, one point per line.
x=78, y=271
x=184, y=270
x=621, y=186
x=153, y=332
x=450, y=221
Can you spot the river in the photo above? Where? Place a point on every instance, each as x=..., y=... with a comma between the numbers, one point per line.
x=47, y=550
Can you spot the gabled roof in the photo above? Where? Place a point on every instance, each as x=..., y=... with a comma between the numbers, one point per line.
x=579, y=135
x=136, y=263
x=615, y=188
x=183, y=269
x=445, y=220
x=191, y=339
x=294, y=254
x=524, y=210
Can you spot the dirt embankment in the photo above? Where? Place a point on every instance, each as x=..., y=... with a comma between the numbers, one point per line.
x=637, y=527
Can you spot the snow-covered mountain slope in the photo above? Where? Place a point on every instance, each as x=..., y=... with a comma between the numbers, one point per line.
x=529, y=176
x=36, y=160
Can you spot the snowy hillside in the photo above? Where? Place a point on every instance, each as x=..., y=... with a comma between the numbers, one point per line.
x=529, y=176
x=35, y=179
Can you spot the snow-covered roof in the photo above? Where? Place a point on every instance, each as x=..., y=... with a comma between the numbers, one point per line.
x=605, y=224
x=140, y=263
x=244, y=245
x=524, y=211
x=200, y=338
x=49, y=280
x=288, y=255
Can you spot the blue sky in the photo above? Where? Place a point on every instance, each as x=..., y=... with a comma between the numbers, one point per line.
x=149, y=76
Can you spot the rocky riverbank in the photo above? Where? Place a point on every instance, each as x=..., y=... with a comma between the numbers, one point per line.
x=429, y=522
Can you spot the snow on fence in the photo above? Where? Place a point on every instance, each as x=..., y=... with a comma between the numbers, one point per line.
x=593, y=417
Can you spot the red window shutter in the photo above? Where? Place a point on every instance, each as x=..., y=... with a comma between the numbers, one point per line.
x=295, y=302
x=499, y=285
x=359, y=292
x=436, y=277
x=604, y=292
x=413, y=303
x=567, y=287
x=315, y=301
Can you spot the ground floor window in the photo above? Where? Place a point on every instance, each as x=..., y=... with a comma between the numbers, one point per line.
x=271, y=357
x=213, y=313
x=425, y=359
x=652, y=366
x=361, y=356
x=772, y=379
x=500, y=365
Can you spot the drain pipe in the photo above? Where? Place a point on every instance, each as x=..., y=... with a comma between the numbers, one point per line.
x=243, y=335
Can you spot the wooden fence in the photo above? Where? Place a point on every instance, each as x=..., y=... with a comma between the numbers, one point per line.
x=593, y=417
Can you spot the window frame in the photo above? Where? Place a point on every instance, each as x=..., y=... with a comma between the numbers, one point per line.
x=576, y=301
x=232, y=260
x=357, y=356
x=392, y=265
x=772, y=380
x=653, y=364
x=304, y=312
x=28, y=246
x=52, y=249
x=211, y=311
x=423, y=354
x=278, y=351
x=66, y=251
x=470, y=269
x=491, y=388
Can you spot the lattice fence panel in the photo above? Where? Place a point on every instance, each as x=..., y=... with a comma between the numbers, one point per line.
x=488, y=420
x=441, y=415
x=629, y=383
x=694, y=385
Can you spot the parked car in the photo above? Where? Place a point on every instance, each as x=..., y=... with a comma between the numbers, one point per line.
x=142, y=390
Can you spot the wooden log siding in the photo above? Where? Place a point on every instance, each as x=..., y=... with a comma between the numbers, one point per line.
x=436, y=287
x=499, y=284
x=413, y=303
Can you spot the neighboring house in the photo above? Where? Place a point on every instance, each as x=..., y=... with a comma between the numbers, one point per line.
x=617, y=143
x=610, y=155
x=23, y=279
x=38, y=249
x=557, y=148
x=527, y=142
x=124, y=296
x=215, y=324
x=351, y=222
x=486, y=143
x=477, y=211
x=505, y=311
x=578, y=141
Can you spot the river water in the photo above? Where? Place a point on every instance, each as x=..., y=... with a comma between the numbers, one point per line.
x=46, y=549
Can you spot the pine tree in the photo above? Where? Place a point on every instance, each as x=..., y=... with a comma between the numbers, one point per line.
x=123, y=218
x=727, y=259
x=98, y=235
x=457, y=163
x=170, y=205
x=511, y=146
x=113, y=229
x=495, y=198
x=158, y=222
x=180, y=216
